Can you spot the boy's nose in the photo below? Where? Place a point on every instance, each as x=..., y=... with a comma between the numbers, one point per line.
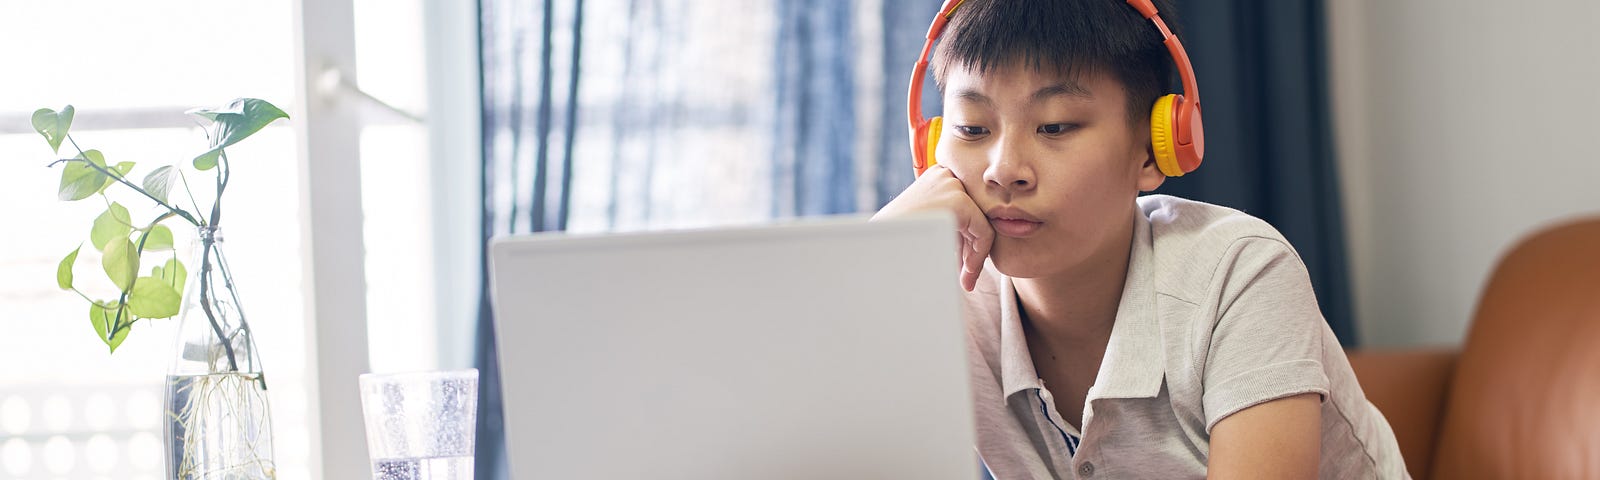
x=1008, y=170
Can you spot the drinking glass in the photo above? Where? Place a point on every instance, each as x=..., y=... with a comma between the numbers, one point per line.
x=420, y=426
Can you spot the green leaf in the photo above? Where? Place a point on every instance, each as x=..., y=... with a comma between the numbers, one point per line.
x=233, y=122
x=104, y=317
x=64, y=271
x=121, y=263
x=173, y=274
x=208, y=160
x=53, y=125
x=159, y=238
x=79, y=180
x=122, y=170
x=151, y=298
x=114, y=223
x=159, y=182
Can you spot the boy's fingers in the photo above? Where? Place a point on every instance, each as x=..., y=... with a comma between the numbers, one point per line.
x=968, y=279
x=977, y=237
x=982, y=241
x=964, y=258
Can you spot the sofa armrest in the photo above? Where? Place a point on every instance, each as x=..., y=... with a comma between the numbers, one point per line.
x=1409, y=387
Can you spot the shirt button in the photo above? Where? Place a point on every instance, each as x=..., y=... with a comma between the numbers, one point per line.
x=1086, y=470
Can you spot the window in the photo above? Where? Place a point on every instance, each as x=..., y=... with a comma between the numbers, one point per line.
x=397, y=211
x=67, y=409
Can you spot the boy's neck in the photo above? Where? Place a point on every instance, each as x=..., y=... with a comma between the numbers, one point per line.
x=1078, y=306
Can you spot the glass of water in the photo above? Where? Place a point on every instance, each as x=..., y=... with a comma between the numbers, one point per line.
x=420, y=426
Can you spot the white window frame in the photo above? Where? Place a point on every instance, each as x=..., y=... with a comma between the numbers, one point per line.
x=329, y=133
x=330, y=205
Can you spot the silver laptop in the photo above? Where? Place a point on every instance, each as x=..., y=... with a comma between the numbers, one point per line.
x=818, y=349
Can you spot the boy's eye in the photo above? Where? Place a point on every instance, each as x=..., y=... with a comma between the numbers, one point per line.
x=971, y=131
x=1057, y=128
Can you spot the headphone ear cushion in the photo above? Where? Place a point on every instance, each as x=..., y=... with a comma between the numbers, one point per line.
x=935, y=127
x=1162, y=142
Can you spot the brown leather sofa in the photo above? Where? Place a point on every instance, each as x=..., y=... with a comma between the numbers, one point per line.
x=1521, y=397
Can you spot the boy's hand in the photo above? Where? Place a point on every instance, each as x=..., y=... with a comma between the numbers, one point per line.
x=937, y=189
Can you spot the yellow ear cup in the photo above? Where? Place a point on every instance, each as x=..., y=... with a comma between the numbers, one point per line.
x=935, y=127
x=1161, y=141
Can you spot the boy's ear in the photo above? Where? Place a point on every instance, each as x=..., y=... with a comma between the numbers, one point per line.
x=1150, y=176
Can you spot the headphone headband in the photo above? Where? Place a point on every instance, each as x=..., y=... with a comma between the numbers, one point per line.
x=1185, y=150
x=1180, y=57
x=914, y=100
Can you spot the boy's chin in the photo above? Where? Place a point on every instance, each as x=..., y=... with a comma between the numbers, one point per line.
x=1017, y=263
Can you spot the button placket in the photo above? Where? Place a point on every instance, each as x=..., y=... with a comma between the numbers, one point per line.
x=1061, y=458
x=1086, y=470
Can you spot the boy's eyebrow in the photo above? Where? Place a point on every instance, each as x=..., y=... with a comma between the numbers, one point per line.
x=1068, y=88
x=973, y=96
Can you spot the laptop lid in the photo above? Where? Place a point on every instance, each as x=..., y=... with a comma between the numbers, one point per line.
x=816, y=349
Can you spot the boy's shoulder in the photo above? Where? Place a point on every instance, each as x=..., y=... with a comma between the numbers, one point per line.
x=1195, y=243
x=1175, y=220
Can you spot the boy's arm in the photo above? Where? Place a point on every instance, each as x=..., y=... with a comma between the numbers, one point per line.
x=1263, y=376
x=1277, y=439
x=939, y=189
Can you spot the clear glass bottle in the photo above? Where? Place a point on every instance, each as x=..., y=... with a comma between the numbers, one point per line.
x=217, y=421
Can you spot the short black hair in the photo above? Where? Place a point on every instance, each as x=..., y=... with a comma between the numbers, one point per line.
x=1068, y=37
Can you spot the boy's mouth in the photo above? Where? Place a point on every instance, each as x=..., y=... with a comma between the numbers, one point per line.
x=1013, y=222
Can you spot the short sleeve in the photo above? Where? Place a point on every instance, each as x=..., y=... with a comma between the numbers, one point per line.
x=1266, y=340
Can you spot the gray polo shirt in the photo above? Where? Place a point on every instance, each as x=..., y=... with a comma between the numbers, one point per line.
x=1217, y=315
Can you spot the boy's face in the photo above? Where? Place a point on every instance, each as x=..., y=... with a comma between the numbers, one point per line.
x=1052, y=160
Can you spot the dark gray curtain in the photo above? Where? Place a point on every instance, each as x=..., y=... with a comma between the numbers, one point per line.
x=1262, y=67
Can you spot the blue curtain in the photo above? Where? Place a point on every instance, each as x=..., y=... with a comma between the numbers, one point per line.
x=608, y=115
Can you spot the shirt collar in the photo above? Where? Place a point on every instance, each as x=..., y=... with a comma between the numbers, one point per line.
x=1133, y=366
x=1016, y=365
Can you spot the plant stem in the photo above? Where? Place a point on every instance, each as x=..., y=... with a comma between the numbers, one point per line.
x=224, y=173
x=80, y=293
x=186, y=190
x=118, y=178
x=244, y=325
x=208, y=245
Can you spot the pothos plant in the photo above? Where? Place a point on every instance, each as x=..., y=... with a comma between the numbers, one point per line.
x=157, y=293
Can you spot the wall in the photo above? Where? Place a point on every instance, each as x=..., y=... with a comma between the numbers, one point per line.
x=1463, y=125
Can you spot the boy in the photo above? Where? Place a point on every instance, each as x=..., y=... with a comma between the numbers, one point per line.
x=1112, y=335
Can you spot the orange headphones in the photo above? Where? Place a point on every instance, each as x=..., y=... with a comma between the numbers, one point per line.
x=1177, y=135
